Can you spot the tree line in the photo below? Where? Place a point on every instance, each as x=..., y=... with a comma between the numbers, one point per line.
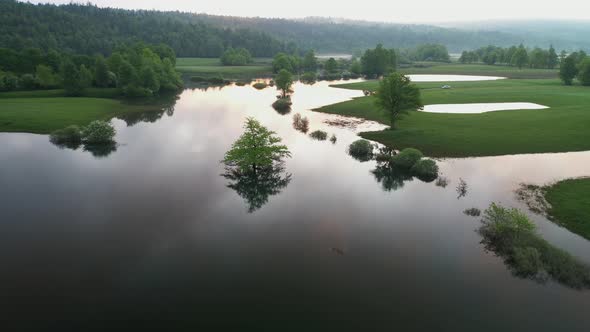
x=137, y=70
x=518, y=56
x=87, y=29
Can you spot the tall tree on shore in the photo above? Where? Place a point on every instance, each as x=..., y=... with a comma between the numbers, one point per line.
x=568, y=69
x=520, y=57
x=397, y=95
x=552, y=59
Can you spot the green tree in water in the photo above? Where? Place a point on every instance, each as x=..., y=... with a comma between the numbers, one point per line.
x=284, y=81
x=397, y=95
x=256, y=149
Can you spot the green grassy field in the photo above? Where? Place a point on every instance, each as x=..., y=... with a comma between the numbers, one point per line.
x=208, y=67
x=562, y=127
x=44, y=115
x=480, y=69
x=570, y=205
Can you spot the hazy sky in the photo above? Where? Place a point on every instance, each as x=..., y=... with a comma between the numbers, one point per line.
x=372, y=10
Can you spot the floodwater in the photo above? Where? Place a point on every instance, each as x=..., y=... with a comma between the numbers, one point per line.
x=474, y=108
x=153, y=236
x=451, y=78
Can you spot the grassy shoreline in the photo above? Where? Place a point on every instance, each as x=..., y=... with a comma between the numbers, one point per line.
x=42, y=115
x=212, y=67
x=570, y=205
x=560, y=128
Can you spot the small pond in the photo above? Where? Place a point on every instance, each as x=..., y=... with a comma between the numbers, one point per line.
x=152, y=234
x=451, y=78
x=474, y=108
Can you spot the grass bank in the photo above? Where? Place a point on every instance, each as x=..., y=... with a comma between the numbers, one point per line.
x=570, y=205
x=480, y=69
x=561, y=128
x=42, y=115
x=212, y=67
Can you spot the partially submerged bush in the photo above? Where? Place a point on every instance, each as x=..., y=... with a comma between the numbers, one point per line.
x=240, y=83
x=333, y=139
x=320, y=135
x=425, y=169
x=361, y=150
x=98, y=132
x=260, y=85
x=473, y=212
x=308, y=78
x=511, y=235
x=70, y=135
x=282, y=104
x=300, y=123
x=407, y=158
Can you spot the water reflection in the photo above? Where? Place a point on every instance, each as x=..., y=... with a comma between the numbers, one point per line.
x=256, y=186
x=391, y=178
x=101, y=150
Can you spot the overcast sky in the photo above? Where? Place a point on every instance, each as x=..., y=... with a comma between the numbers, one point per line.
x=371, y=10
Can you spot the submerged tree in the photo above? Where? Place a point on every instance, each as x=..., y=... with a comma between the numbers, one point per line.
x=397, y=95
x=256, y=149
x=255, y=165
x=284, y=81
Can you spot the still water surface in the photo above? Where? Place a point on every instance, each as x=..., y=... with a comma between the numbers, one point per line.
x=151, y=235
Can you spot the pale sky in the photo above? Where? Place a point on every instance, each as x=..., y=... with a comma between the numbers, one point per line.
x=371, y=10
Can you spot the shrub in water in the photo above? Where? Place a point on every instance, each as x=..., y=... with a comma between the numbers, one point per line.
x=282, y=104
x=300, y=123
x=68, y=135
x=320, y=135
x=425, y=170
x=361, y=150
x=333, y=139
x=407, y=158
x=308, y=78
x=98, y=132
x=259, y=85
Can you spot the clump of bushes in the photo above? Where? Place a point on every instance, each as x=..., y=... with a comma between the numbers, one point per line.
x=71, y=135
x=407, y=158
x=216, y=80
x=260, y=85
x=361, y=150
x=300, y=123
x=320, y=135
x=511, y=235
x=425, y=170
x=282, y=104
x=308, y=77
x=333, y=139
x=98, y=132
x=240, y=83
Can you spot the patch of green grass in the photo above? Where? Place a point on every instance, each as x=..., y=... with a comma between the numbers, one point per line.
x=480, y=69
x=91, y=93
x=570, y=205
x=562, y=127
x=44, y=115
x=208, y=67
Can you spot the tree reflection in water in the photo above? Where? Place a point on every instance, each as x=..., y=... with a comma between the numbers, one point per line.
x=101, y=150
x=391, y=178
x=257, y=186
x=162, y=104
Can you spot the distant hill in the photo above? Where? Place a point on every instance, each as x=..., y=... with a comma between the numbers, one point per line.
x=89, y=29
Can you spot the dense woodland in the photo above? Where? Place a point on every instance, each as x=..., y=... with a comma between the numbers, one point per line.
x=137, y=70
x=87, y=29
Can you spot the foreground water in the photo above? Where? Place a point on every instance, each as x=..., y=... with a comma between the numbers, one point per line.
x=151, y=235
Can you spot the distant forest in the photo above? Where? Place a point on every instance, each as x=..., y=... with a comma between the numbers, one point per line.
x=88, y=29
